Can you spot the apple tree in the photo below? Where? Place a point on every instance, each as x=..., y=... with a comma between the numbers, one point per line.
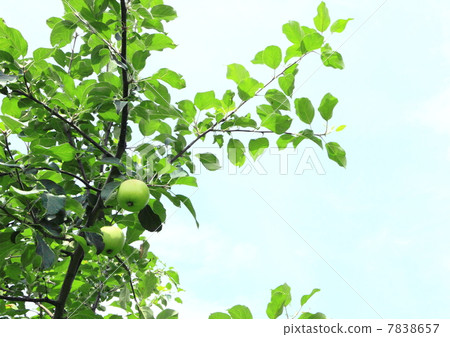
x=67, y=115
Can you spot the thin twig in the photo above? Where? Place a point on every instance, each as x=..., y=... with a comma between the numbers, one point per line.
x=48, y=312
x=122, y=263
x=201, y=135
x=27, y=299
x=65, y=120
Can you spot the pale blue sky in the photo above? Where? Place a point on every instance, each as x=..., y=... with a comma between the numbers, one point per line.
x=382, y=224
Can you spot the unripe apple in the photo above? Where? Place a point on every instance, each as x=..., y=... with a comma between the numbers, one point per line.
x=133, y=195
x=113, y=239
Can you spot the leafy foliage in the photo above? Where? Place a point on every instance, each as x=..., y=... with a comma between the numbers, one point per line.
x=70, y=108
x=279, y=300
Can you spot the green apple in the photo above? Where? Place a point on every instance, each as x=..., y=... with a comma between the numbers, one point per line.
x=133, y=195
x=113, y=239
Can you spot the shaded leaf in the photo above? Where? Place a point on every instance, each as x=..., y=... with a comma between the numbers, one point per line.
x=286, y=83
x=336, y=153
x=187, y=202
x=308, y=315
x=327, y=105
x=257, y=146
x=248, y=87
x=44, y=251
x=304, y=109
x=209, y=161
x=53, y=203
x=150, y=220
x=277, y=100
x=240, y=312
x=236, y=152
x=167, y=314
x=219, y=315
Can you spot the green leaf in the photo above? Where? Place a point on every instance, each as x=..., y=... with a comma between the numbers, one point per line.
x=124, y=297
x=28, y=194
x=42, y=53
x=187, y=202
x=272, y=120
x=44, y=251
x=304, y=109
x=258, y=59
x=308, y=315
x=284, y=140
x=164, y=12
x=219, y=315
x=158, y=42
x=147, y=284
x=53, y=203
x=293, y=51
x=64, y=152
x=276, y=305
x=322, y=20
x=256, y=147
x=82, y=242
x=248, y=87
x=172, y=78
x=218, y=139
x=12, y=41
x=286, y=83
x=237, y=73
x=280, y=298
x=286, y=291
x=312, y=40
x=206, y=100
x=12, y=123
x=327, y=105
x=240, y=312
x=139, y=58
x=340, y=128
x=174, y=276
x=236, y=152
x=209, y=161
x=339, y=25
x=272, y=56
x=331, y=58
x=149, y=219
x=167, y=314
x=6, y=79
x=305, y=298
x=62, y=33
x=190, y=181
x=309, y=134
x=277, y=100
x=336, y=153
x=293, y=32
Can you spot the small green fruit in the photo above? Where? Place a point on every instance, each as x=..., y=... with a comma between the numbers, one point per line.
x=133, y=195
x=113, y=239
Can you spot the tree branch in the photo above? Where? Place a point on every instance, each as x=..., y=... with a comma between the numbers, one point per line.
x=65, y=120
x=72, y=175
x=179, y=154
x=42, y=307
x=72, y=271
x=122, y=263
x=27, y=299
x=125, y=83
x=78, y=255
